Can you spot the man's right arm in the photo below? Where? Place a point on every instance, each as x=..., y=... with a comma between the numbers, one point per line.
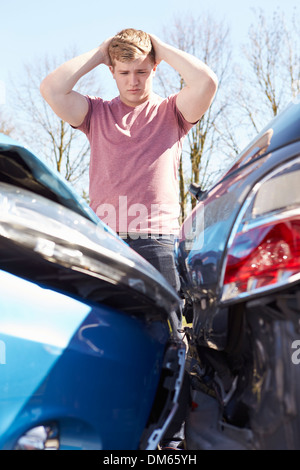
x=57, y=87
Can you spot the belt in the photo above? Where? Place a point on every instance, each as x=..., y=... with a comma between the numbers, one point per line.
x=147, y=236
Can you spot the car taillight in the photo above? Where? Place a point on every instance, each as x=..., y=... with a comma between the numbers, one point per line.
x=264, y=250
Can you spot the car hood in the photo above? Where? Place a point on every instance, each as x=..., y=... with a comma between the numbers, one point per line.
x=80, y=241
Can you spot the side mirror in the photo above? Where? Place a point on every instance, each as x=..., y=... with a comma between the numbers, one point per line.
x=196, y=191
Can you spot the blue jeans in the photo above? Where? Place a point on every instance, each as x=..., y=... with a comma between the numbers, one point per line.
x=159, y=251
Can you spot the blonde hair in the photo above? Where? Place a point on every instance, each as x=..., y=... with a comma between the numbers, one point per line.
x=129, y=44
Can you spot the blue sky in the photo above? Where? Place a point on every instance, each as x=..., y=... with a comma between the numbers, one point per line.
x=33, y=28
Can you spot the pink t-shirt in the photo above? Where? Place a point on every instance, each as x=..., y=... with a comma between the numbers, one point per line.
x=135, y=154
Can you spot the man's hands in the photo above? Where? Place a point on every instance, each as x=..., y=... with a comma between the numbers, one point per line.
x=192, y=101
x=201, y=82
x=158, y=46
x=57, y=87
x=104, y=51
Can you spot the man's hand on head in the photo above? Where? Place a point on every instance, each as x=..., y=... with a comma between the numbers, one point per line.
x=104, y=50
x=158, y=48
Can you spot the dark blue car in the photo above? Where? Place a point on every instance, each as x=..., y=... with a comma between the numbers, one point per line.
x=239, y=261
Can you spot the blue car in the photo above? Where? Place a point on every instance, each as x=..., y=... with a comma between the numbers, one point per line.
x=89, y=353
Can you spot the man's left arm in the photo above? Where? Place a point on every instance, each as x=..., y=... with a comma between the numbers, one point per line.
x=200, y=81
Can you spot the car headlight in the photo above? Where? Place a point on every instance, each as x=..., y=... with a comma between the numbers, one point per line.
x=61, y=236
x=58, y=234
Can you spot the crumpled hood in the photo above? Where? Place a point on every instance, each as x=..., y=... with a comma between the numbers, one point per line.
x=61, y=227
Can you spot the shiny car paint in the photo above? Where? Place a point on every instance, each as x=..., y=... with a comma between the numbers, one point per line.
x=239, y=261
x=205, y=235
x=87, y=340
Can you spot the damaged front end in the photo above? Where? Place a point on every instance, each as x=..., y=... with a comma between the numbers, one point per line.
x=88, y=326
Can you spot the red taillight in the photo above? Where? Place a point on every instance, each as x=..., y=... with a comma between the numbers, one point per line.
x=263, y=256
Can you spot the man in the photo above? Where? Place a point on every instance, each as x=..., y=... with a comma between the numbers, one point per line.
x=136, y=138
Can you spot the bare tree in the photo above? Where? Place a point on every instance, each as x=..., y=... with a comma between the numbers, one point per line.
x=6, y=125
x=66, y=149
x=207, y=39
x=272, y=75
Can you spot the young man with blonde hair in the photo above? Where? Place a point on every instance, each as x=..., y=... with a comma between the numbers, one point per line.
x=136, y=138
x=129, y=45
